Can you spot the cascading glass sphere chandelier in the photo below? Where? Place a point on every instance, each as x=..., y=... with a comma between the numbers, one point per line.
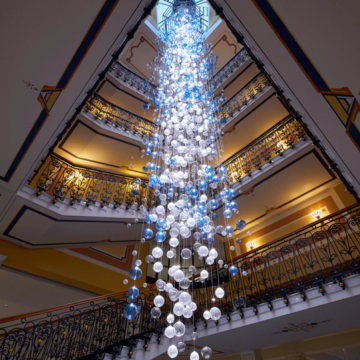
x=184, y=153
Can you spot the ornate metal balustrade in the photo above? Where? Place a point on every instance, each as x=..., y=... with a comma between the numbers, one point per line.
x=326, y=251
x=262, y=150
x=132, y=80
x=61, y=180
x=243, y=97
x=228, y=69
x=118, y=117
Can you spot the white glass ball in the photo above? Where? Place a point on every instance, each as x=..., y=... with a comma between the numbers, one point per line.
x=160, y=210
x=215, y=313
x=172, y=351
x=219, y=292
x=194, y=335
x=138, y=262
x=178, y=309
x=134, y=252
x=185, y=283
x=194, y=356
x=174, y=242
x=204, y=274
x=206, y=352
x=168, y=286
x=232, y=248
x=158, y=266
x=159, y=301
x=185, y=298
x=157, y=252
x=172, y=270
x=160, y=284
x=174, y=232
x=170, y=254
x=155, y=312
x=213, y=253
x=181, y=346
x=186, y=254
x=206, y=315
x=144, y=285
x=125, y=281
x=170, y=318
x=187, y=314
x=170, y=332
x=179, y=328
x=174, y=294
x=192, y=269
x=209, y=260
x=203, y=251
x=179, y=275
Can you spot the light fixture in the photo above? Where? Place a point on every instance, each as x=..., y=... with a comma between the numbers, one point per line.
x=316, y=214
x=251, y=244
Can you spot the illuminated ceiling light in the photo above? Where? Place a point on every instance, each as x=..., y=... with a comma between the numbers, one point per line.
x=316, y=214
x=251, y=244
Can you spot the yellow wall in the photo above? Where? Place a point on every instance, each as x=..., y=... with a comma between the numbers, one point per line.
x=64, y=268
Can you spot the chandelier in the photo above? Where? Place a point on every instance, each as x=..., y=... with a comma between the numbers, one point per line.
x=184, y=153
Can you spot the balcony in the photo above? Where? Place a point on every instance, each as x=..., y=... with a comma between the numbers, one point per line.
x=313, y=262
x=61, y=180
x=265, y=149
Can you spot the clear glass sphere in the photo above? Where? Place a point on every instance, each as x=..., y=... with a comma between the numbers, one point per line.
x=155, y=312
x=174, y=242
x=179, y=328
x=232, y=248
x=138, y=262
x=160, y=284
x=181, y=346
x=172, y=270
x=144, y=285
x=186, y=254
x=157, y=252
x=172, y=351
x=192, y=269
x=170, y=332
x=158, y=266
x=196, y=246
x=125, y=281
x=219, y=292
x=185, y=298
x=170, y=254
x=187, y=314
x=213, y=253
x=159, y=301
x=203, y=251
x=169, y=286
x=204, y=274
x=209, y=260
x=206, y=315
x=194, y=356
x=149, y=259
x=170, y=318
x=178, y=309
x=215, y=313
x=185, y=283
x=206, y=352
x=194, y=335
x=179, y=275
x=174, y=294
x=134, y=252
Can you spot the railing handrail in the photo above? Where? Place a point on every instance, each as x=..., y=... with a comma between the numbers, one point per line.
x=295, y=232
x=116, y=294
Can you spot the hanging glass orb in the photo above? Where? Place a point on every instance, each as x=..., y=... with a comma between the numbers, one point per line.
x=232, y=248
x=204, y=274
x=159, y=301
x=249, y=233
x=158, y=266
x=172, y=270
x=135, y=273
x=185, y=298
x=209, y=260
x=206, y=315
x=134, y=252
x=196, y=246
x=186, y=254
x=174, y=294
x=206, y=352
x=174, y=242
x=144, y=285
x=244, y=273
x=178, y=309
x=133, y=292
x=170, y=254
x=160, y=236
x=179, y=328
x=125, y=281
x=179, y=275
x=155, y=312
x=138, y=262
x=169, y=286
x=233, y=270
x=169, y=332
x=160, y=284
x=172, y=351
x=187, y=314
x=215, y=313
x=203, y=251
x=219, y=292
x=157, y=252
x=192, y=269
x=148, y=233
x=170, y=318
x=241, y=224
x=194, y=335
x=130, y=311
x=181, y=346
x=185, y=283
x=213, y=253
x=237, y=240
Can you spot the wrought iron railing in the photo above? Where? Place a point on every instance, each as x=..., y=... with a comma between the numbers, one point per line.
x=326, y=251
x=118, y=117
x=262, y=150
x=228, y=69
x=60, y=179
x=243, y=96
x=132, y=80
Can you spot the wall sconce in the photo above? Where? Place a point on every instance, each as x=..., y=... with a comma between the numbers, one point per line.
x=251, y=244
x=316, y=214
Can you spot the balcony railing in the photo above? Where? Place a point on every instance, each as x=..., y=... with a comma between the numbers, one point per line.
x=326, y=251
x=60, y=179
x=132, y=80
x=228, y=69
x=243, y=96
x=118, y=117
x=264, y=149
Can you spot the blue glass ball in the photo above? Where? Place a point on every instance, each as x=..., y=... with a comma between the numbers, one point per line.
x=193, y=193
x=227, y=214
x=172, y=160
x=146, y=106
x=135, y=273
x=215, y=216
x=147, y=151
x=241, y=224
x=203, y=185
x=238, y=241
x=149, y=219
x=229, y=230
x=160, y=236
x=210, y=239
x=158, y=168
x=209, y=177
x=209, y=169
x=133, y=292
x=214, y=204
x=233, y=270
x=222, y=170
x=216, y=179
x=144, y=168
x=148, y=233
x=161, y=224
x=233, y=205
x=154, y=154
x=200, y=223
x=130, y=311
x=204, y=235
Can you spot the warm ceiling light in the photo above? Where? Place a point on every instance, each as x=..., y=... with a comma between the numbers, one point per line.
x=251, y=244
x=316, y=214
